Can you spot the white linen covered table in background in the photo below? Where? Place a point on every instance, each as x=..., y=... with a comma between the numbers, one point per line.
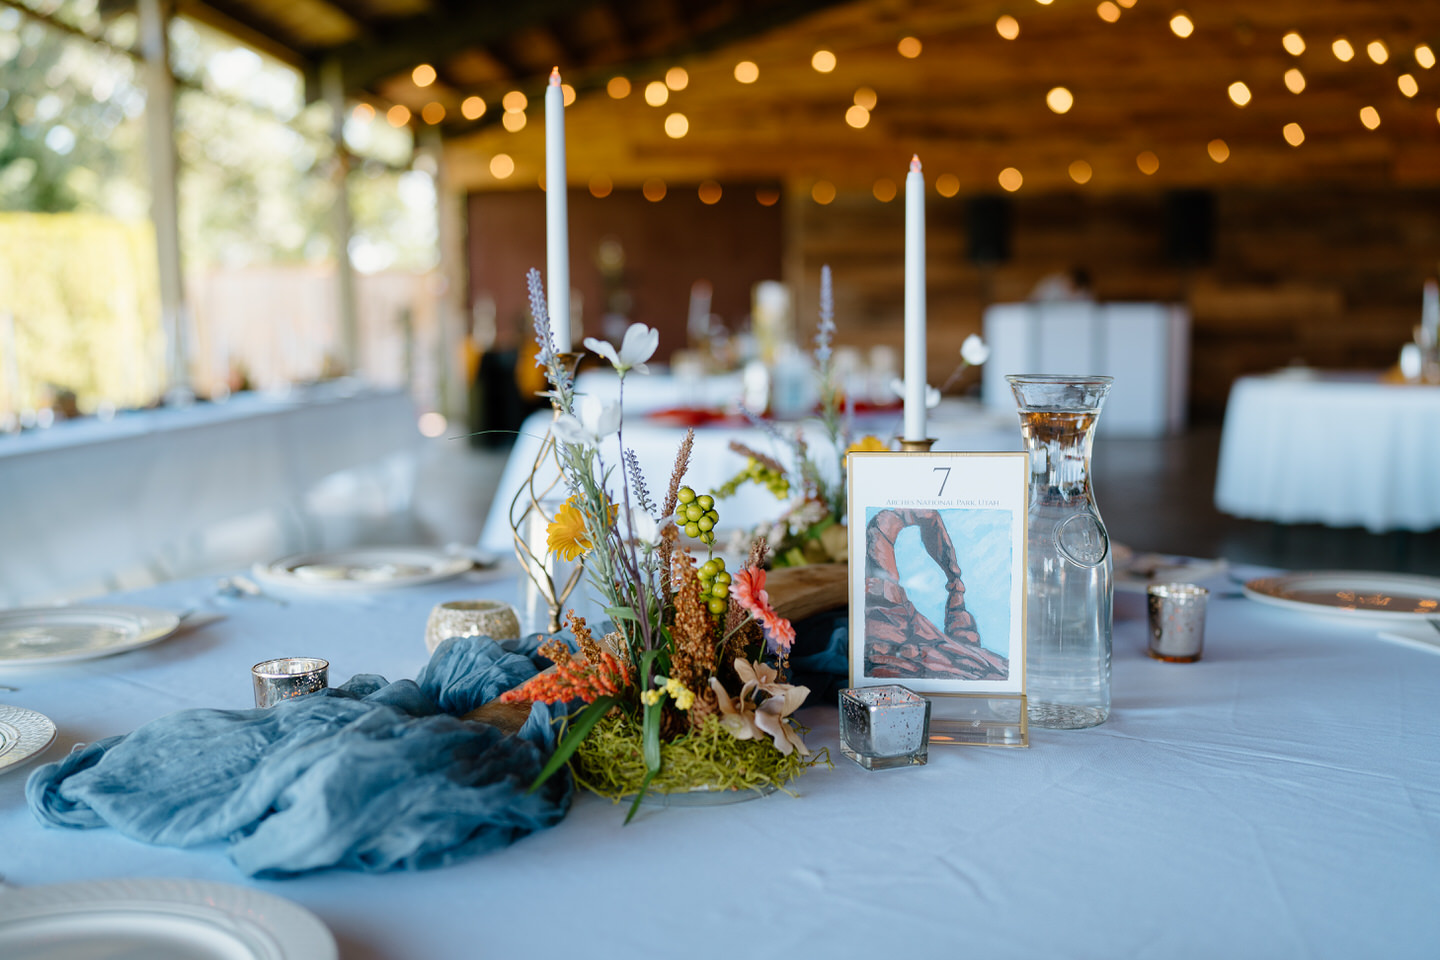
x=84, y=502
x=956, y=425
x=1342, y=450
x=1144, y=346
x=1280, y=798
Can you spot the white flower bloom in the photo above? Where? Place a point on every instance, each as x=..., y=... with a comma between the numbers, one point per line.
x=974, y=351
x=595, y=422
x=639, y=345
x=932, y=396
x=646, y=529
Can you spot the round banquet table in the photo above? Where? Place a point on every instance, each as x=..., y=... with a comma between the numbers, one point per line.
x=1280, y=798
x=1342, y=450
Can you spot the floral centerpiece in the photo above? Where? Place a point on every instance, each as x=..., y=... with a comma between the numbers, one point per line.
x=687, y=691
x=811, y=528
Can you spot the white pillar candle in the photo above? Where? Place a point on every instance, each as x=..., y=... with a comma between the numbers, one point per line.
x=915, y=381
x=557, y=217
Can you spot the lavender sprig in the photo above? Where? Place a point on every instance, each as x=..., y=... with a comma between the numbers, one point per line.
x=637, y=480
x=545, y=356
x=825, y=335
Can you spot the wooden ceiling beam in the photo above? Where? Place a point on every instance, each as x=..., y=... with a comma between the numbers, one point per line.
x=439, y=35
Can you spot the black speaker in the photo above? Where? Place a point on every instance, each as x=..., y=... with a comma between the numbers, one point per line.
x=1190, y=227
x=987, y=222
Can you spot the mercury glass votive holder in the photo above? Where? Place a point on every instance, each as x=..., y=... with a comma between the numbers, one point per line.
x=884, y=726
x=288, y=677
x=1177, y=621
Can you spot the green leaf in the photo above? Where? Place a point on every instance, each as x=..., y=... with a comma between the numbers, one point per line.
x=652, y=736
x=622, y=613
x=635, y=804
x=575, y=734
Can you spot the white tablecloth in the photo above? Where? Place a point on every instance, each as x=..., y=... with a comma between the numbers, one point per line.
x=1339, y=450
x=1280, y=798
x=84, y=502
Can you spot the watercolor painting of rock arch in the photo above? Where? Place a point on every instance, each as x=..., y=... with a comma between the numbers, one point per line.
x=918, y=563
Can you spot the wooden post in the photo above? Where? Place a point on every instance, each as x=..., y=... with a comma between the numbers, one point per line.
x=332, y=88
x=451, y=312
x=164, y=203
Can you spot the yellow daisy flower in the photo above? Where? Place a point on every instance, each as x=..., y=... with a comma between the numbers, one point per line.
x=566, y=535
x=868, y=444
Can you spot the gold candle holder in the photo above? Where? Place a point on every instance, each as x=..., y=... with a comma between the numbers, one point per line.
x=917, y=446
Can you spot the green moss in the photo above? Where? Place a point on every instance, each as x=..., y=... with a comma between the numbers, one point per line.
x=609, y=762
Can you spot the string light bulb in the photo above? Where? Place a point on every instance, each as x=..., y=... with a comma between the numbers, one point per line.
x=1407, y=85
x=909, y=47
x=1181, y=25
x=823, y=61
x=857, y=116
x=865, y=97
x=472, y=108
x=1293, y=134
x=1147, y=162
x=656, y=93
x=1011, y=179
x=884, y=190
x=601, y=186
x=823, y=192
x=423, y=75
x=676, y=126
x=1342, y=49
x=1370, y=117
x=746, y=71
x=1081, y=172
x=653, y=189
x=1239, y=93
x=677, y=78
x=398, y=115
x=1008, y=27
x=1377, y=51
x=433, y=112
x=501, y=166
x=1110, y=13
x=618, y=88
x=947, y=185
x=1293, y=43
x=1294, y=80
x=513, y=121
x=1425, y=56
x=1059, y=100
x=1219, y=150
x=710, y=193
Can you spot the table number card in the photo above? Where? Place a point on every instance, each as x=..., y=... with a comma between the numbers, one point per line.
x=937, y=586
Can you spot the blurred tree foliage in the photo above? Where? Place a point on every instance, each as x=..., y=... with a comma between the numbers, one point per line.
x=255, y=181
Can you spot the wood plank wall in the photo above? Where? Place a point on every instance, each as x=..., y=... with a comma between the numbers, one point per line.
x=1327, y=276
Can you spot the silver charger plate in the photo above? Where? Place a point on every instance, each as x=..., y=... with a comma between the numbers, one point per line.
x=41, y=635
x=349, y=571
x=1352, y=594
x=23, y=734
x=157, y=919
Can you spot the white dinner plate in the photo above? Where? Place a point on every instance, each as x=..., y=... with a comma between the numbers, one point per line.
x=40, y=635
x=1137, y=572
x=348, y=571
x=1352, y=594
x=23, y=734
x=158, y=920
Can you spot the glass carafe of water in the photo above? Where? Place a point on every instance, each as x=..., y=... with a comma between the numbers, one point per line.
x=1069, y=615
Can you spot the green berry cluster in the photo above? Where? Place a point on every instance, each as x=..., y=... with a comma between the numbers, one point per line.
x=714, y=585
x=697, y=516
x=756, y=472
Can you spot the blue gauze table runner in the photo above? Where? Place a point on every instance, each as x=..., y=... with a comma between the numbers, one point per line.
x=370, y=776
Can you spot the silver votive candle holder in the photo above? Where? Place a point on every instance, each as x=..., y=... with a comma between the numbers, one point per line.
x=884, y=726
x=471, y=618
x=1177, y=621
x=287, y=678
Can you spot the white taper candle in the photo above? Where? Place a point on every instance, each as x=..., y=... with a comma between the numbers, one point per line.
x=915, y=377
x=557, y=216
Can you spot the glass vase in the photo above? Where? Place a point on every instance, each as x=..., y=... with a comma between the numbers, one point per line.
x=1070, y=590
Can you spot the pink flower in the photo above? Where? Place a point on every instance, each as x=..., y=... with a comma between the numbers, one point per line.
x=749, y=589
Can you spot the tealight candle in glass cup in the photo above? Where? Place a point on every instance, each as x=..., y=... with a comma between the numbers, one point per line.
x=288, y=677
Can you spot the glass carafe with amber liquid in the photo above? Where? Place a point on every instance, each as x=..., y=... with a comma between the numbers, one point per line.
x=1069, y=615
